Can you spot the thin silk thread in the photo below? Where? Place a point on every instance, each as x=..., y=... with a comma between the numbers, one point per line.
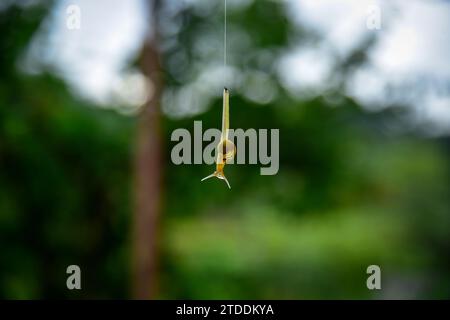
x=225, y=36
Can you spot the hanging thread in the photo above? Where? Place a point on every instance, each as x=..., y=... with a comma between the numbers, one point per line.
x=225, y=37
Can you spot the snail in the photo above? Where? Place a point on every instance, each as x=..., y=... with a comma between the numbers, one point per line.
x=226, y=150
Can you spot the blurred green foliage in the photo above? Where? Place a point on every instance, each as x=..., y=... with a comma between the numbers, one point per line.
x=349, y=193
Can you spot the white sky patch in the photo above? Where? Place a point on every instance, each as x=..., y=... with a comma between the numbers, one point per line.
x=305, y=71
x=341, y=23
x=413, y=47
x=417, y=41
x=94, y=58
x=416, y=47
x=368, y=85
x=439, y=105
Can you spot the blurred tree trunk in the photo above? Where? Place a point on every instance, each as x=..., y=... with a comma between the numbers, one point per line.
x=148, y=169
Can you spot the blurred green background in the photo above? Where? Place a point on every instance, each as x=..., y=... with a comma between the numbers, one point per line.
x=356, y=187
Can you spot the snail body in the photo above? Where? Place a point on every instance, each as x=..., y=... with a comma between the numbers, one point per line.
x=226, y=150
